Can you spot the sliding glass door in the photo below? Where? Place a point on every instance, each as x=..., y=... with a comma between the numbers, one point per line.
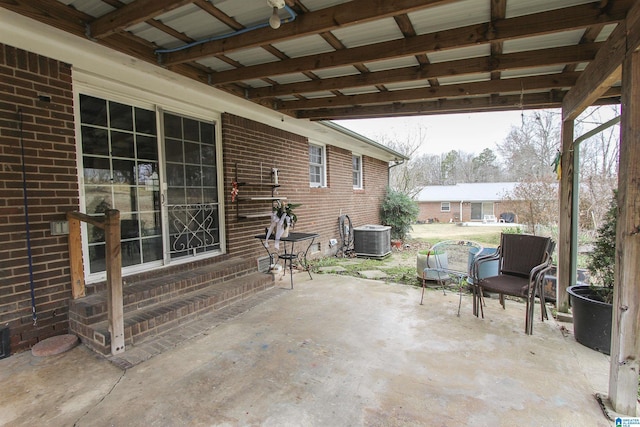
x=122, y=169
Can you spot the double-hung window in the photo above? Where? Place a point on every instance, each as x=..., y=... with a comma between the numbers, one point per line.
x=357, y=172
x=317, y=166
x=445, y=207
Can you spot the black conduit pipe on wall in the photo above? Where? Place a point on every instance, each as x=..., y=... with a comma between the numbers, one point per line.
x=34, y=314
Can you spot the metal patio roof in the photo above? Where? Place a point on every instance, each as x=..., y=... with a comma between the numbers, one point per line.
x=336, y=59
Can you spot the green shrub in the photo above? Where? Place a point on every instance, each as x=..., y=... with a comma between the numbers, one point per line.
x=602, y=261
x=398, y=212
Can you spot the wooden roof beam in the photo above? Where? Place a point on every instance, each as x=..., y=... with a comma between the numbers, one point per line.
x=516, y=85
x=581, y=16
x=130, y=14
x=511, y=61
x=462, y=105
x=606, y=68
x=350, y=13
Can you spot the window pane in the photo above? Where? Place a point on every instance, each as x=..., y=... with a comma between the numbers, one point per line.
x=145, y=121
x=191, y=130
x=95, y=141
x=125, y=198
x=124, y=172
x=191, y=153
x=120, y=116
x=147, y=147
x=97, y=198
x=122, y=144
x=173, y=149
x=93, y=111
x=97, y=170
x=193, y=176
x=152, y=249
x=172, y=126
x=175, y=175
x=207, y=133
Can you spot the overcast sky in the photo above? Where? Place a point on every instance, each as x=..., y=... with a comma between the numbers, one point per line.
x=470, y=133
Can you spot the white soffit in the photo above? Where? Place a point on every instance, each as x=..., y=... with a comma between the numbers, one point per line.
x=448, y=16
x=368, y=33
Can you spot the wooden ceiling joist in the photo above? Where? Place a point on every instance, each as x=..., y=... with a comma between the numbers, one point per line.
x=524, y=26
x=354, y=12
x=504, y=62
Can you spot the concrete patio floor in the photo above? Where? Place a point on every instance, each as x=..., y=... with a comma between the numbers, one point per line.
x=334, y=351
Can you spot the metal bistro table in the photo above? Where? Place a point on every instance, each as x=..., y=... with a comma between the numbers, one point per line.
x=291, y=254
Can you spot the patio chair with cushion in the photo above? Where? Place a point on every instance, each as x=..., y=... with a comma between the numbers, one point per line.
x=449, y=261
x=522, y=261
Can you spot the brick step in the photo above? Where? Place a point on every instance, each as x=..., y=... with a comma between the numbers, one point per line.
x=148, y=289
x=222, y=261
x=161, y=317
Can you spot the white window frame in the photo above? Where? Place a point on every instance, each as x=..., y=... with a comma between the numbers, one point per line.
x=322, y=166
x=442, y=206
x=357, y=172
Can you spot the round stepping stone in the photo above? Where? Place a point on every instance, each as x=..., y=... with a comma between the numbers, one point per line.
x=54, y=345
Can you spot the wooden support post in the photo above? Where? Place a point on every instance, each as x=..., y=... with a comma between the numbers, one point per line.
x=625, y=345
x=75, y=257
x=114, y=279
x=567, y=217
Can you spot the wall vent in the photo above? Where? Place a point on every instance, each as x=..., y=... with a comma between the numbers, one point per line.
x=264, y=264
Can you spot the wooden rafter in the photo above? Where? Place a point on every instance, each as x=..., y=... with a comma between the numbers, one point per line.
x=524, y=26
x=354, y=12
x=512, y=61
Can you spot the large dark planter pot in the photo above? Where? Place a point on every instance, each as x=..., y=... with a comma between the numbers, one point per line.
x=591, y=319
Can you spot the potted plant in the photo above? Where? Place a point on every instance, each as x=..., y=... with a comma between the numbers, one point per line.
x=284, y=216
x=591, y=305
x=399, y=212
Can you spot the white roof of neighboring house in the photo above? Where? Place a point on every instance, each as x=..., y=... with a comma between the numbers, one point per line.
x=473, y=192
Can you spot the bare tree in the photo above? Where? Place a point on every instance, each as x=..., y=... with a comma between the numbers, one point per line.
x=408, y=177
x=529, y=149
x=536, y=200
x=598, y=165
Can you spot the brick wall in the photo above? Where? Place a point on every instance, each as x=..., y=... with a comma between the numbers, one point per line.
x=51, y=175
x=254, y=147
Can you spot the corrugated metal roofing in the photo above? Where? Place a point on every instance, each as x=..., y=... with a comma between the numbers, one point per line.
x=367, y=48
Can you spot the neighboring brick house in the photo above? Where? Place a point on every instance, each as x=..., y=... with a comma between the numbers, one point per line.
x=464, y=202
x=102, y=130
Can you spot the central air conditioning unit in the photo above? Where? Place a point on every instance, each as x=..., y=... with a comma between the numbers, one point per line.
x=372, y=241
